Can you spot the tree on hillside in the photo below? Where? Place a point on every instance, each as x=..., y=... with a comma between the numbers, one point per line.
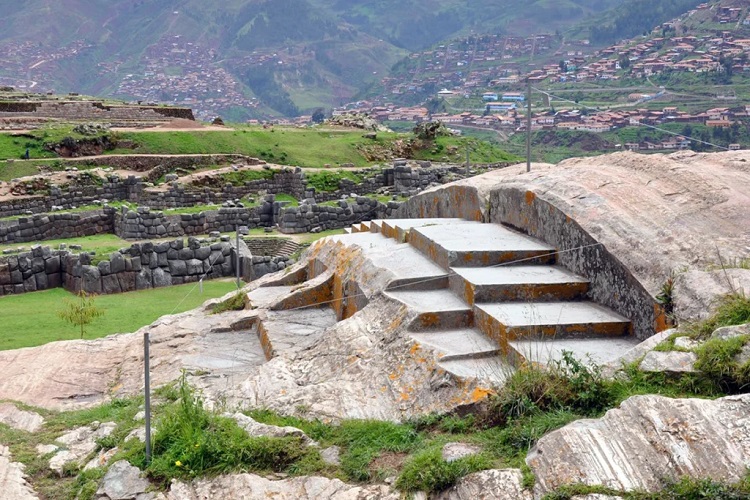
x=318, y=115
x=81, y=311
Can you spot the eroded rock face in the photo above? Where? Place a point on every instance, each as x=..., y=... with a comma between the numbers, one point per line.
x=669, y=362
x=495, y=484
x=298, y=488
x=646, y=441
x=12, y=479
x=122, y=482
x=23, y=420
x=696, y=291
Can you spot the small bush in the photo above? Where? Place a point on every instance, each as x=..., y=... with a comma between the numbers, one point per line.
x=191, y=441
x=716, y=360
x=327, y=181
x=733, y=309
x=427, y=471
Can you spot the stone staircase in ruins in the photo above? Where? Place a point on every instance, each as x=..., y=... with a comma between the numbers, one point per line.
x=495, y=297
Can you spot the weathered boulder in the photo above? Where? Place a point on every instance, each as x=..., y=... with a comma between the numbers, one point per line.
x=23, y=420
x=646, y=441
x=728, y=332
x=12, y=478
x=454, y=451
x=257, y=429
x=122, y=482
x=669, y=362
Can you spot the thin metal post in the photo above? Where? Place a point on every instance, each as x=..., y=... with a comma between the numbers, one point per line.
x=528, y=125
x=237, y=252
x=147, y=394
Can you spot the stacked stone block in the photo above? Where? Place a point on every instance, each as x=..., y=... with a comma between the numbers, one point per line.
x=38, y=269
x=311, y=217
x=57, y=226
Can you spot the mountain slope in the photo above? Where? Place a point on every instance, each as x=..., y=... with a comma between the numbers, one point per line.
x=250, y=58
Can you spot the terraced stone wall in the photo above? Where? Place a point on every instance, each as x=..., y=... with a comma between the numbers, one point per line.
x=57, y=226
x=314, y=218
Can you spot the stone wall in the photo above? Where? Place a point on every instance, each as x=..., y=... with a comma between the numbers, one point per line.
x=57, y=226
x=401, y=179
x=311, y=217
x=150, y=265
x=73, y=195
x=39, y=269
x=146, y=224
x=93, y=110
x=139, y=267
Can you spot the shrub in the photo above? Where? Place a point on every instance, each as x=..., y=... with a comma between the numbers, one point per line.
x=427, y=471
x=716, y=360
x=191, y=441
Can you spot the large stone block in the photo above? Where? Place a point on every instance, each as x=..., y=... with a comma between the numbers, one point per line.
x=161, y=278
x=52, y=264
x=91, y=279
x=194, y=267
x=117, y=262
x=143, y=279
x=177, y=268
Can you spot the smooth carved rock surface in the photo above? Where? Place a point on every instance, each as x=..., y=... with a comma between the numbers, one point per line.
x=13, y=479
x=23, y=420
x=495, y=484
x=646, y=441
x=669, y=362
x=113, y=366
x=298, y=488
x=653, y=212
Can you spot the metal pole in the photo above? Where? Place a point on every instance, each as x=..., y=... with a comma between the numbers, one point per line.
x=147, y=393
x=237, y=251
x=528, y=125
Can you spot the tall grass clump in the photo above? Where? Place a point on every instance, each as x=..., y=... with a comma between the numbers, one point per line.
x=191, y=441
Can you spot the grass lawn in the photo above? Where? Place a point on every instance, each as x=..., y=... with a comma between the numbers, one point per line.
x=31, y=319
x=102, y=244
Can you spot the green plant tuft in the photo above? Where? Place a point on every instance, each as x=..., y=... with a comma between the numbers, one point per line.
x=427, y=471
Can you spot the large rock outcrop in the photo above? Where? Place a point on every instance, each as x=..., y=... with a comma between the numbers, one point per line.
x=646, y=441
x=655, y=214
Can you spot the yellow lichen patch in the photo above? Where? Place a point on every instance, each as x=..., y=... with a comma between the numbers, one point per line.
x=661, y=319
x=428, y=320
x=530, y=196
x=480, y=393
x=415, y=348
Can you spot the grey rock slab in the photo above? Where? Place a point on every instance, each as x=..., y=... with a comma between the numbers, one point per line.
x=647, y=440
x=744, y=355
x=13, y=484
x=331, y=455
x=669, y=362
x=493, y=484
x=686, y=343
x=728, y=332
x=637, y=352
x=454, y=451
x=251, y=486
x=257, y=429
x=23, y=420
x=122, y=482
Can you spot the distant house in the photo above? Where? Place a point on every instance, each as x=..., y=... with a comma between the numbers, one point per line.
x=489, y=96
x=734, y=147
x=514, y=96
x=500, y=106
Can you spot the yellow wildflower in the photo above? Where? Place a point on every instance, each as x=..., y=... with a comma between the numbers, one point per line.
x=178, y=463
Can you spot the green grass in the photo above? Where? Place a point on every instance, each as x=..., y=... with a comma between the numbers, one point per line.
x=328, y=180
x=289, y=146
x=31, y=319
x=102, y=244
